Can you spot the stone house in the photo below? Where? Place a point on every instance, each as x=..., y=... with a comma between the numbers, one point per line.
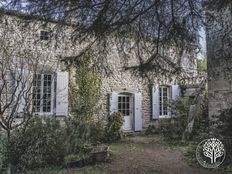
x=142, y=102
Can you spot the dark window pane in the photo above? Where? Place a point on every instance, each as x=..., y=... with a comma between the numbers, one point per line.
x=165, y=112
x=128, y=99
x=44, y=35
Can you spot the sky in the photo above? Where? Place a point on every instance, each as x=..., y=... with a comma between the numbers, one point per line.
x=202, y=43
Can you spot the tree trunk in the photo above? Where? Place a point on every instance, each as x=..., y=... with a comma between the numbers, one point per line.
x=193, y=110
x=191, y=118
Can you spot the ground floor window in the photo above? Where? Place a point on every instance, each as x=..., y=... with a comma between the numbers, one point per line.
x=42, y=93
x=164, y=96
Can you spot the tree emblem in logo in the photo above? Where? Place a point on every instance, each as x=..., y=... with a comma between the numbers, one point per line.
x=213, y=149
x=210, y=153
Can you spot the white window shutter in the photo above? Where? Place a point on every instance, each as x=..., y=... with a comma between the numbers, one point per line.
x=155, y=102
x=62, y=94
x=175, y=92
x=113, y=102
x=138, y=112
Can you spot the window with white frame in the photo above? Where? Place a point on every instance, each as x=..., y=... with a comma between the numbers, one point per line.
x=43, y=86
x=124, y=104
x=164, y=96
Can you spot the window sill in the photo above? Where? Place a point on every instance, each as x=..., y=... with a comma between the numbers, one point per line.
x=44, y=113
x=164, y=116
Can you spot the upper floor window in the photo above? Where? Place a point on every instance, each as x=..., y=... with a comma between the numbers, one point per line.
x=164, y=96
x=42, y=93
x=45, y=35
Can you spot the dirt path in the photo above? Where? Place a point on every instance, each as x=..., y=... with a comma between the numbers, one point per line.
x=142, y=155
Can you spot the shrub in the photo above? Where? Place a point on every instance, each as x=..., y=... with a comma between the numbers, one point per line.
x=173, y=128
x=202, y=122
x=113, y=127
x=39, y=145
x=190, y=153
x=77, y=135
x=44, y=143
x=81, y=134
x=151, y=130
x=97, y=132
x=228, y=168
x=71, y=158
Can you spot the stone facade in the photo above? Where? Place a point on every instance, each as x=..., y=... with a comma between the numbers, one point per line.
x=219, y=53
x=125, y=82
x=120, y=81
x=24, y=54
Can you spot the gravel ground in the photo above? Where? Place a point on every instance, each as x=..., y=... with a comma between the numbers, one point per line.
x=142, y=155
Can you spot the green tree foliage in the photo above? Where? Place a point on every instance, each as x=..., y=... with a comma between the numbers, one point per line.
x=82, y=128
x=202, y=65
x=84, y=93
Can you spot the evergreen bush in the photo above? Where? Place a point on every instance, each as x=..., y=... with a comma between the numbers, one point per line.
x=39, y=145
x=113, y=127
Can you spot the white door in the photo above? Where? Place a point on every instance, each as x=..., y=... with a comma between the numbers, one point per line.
x=125, y=103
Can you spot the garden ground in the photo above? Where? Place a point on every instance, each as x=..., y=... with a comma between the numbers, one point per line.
x=142, y=155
